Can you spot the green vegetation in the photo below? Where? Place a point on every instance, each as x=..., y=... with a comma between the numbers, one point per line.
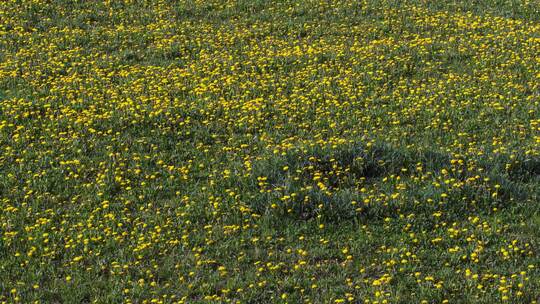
x=257, y=151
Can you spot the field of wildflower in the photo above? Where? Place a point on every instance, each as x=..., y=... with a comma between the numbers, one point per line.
x=253, y=151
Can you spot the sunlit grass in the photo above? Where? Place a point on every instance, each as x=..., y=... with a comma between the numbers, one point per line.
x=269, y=151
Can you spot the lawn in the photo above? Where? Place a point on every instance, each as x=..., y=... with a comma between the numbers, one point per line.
x=250, y=151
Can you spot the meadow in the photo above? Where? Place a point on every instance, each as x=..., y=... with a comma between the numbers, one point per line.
x=250, y=151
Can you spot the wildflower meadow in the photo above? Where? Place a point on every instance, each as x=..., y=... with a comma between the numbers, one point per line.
x=256, y=151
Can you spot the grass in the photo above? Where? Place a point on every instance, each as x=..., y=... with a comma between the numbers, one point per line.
x=254, y=151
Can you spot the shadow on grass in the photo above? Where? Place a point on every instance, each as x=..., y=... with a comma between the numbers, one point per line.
x=343, y=170
x=346, y=169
